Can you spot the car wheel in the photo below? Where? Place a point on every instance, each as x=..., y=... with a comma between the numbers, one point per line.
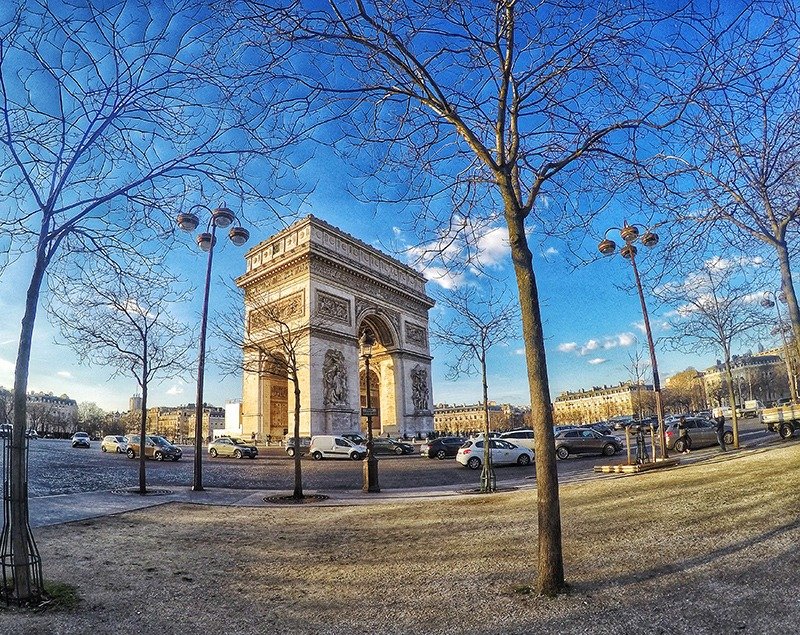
x=441, y=454
x=120, y=450
x=317, y=456
x=176, y=458
x=213, y=453
x=474, y=463
x=252, y=456
x=524, y=459
x=290, y=451
x=355, y=456
x=728, y=438
x=609, y=449
x=159, y=456
x=398, y=451
x=786, y=431
x=562, y=453
x=103, y=448
x=131, y=454
x=237, y=454
x=680, y=445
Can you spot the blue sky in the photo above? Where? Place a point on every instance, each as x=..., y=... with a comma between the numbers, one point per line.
x=591, y=322
x=592, y=318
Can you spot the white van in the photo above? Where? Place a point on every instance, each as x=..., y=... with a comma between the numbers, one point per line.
x=328, y=446
x=523, y=438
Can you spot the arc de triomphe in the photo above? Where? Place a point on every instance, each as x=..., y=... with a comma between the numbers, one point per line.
x=314, y=290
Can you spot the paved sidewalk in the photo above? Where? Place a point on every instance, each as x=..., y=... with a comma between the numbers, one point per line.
x=64, y=508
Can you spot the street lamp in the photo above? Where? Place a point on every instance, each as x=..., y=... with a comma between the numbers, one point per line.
x=775, y=301
x=370, y=462
x=188, y=221
x=631, y=235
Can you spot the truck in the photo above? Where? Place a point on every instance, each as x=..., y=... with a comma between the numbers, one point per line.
x=782, y=419
x=751, y=408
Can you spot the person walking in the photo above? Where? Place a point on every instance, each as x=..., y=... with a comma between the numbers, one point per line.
x=683, y=435
x=720, y=425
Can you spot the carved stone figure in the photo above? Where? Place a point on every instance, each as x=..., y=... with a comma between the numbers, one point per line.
x=419, y=388
x=334, y=378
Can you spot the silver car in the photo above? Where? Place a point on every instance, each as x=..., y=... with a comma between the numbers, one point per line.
x=702, y=433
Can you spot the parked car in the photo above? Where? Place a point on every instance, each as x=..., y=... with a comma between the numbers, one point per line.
x=381, y=445
x=503, y=453
x=602, y=428
x=557, y=429
x=32, y=434
x=702, y=433
x=355, y=437
x=289, y=444
x=585, y=441
x=155, y=447
x=328, y=446
x=442, y=448
x=81, y=440
x=114, y=443
x=520, y=437
x=230, y=446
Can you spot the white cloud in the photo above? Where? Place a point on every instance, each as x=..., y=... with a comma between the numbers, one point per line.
x=65, y=374
x=519, y=351
x=626, y=339
x=597, y=360
x=551, y=251
x=568, y=347
x=444, y=277
x=177, y=389
x=591, y=345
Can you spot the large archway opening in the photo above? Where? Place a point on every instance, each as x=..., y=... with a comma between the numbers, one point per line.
x=275, y=400
x=381, y=379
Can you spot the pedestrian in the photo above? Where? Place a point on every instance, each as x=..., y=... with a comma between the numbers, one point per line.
x=720, y=421
x=683, y=435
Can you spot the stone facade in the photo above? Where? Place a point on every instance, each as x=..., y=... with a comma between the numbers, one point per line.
x=599, y=403
x=311, y=291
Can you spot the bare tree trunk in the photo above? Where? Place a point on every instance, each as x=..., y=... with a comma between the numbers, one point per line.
x=788, y=291
x=22, y=544
x=551, y=564
x=487, y=474
x=298, y=476
x=143, y=428
x=732, y=399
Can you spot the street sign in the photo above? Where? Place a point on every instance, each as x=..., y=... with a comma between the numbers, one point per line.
x=369, y=412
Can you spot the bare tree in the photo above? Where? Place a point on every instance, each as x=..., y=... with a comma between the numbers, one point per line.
x=107, y=118
x=735, y=170
x=497, y=102
x=713, y=307
x=269, y=337
x=637, y=367
x=122, y=321
x=477, y=321
x=90, y=417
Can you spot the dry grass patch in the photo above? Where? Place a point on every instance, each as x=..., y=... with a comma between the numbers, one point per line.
x=707, y=548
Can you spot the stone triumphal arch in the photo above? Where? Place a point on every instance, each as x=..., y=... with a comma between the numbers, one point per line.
x=311, y=291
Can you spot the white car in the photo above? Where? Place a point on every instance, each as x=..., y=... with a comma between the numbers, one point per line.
x=503, y=453
x=114, y=443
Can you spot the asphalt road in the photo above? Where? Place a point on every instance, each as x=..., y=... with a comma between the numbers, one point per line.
x=57, y=468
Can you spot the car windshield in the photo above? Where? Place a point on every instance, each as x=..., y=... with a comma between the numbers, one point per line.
x=81, y=434
x=159, y=441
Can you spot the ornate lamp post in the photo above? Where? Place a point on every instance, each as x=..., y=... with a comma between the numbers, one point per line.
x=775, y=301
x=631, y=235
x=371, y=462
x=188, y=221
